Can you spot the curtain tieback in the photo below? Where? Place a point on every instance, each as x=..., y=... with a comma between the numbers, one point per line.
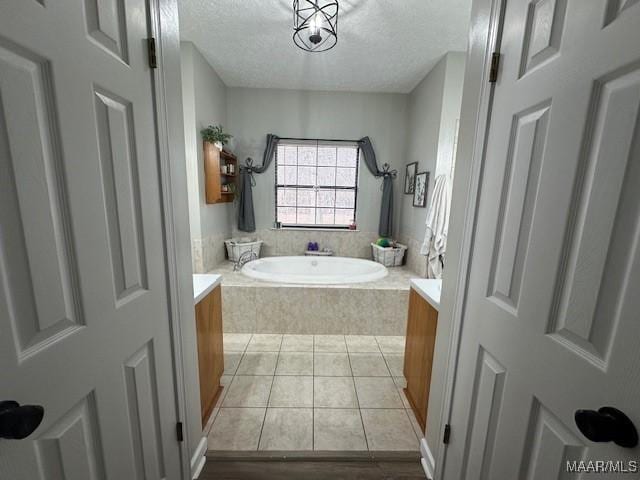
x=387, y=172
x=249, y=169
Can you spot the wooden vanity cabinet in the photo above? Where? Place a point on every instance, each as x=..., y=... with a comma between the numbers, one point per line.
x=210, y=354
x=422, y=322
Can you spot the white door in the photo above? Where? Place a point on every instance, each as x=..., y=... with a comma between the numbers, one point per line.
x=84, y=322
x=552, y=319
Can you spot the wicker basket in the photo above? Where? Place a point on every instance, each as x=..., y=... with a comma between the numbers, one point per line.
x=238, y=246
x=388, y=256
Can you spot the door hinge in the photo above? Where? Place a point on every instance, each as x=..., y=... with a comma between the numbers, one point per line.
x=447, y=433
x=179, y=432
x=151, y=46
x=495, y=66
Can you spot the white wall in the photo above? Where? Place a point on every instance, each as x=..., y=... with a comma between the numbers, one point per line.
x=434, y=108
x=204, y=103
x=252, y=113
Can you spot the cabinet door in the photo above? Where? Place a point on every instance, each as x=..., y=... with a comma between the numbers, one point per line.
x=217, y=354
x=421, y=334
x=203, y=312
x=210, y=355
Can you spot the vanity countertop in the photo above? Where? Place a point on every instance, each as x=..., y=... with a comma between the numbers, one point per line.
x=203, y=283
x=429, y=289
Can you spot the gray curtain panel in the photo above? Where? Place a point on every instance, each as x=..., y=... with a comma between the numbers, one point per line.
x=385, y=227
x=246, y=214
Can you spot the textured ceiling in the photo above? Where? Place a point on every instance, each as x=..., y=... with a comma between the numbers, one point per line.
x=383, y=45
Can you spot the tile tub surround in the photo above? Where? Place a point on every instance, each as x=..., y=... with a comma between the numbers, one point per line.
x=285, y=241
x=415, y=261
x=207, y=252
x=324, y=399
x=372, y=308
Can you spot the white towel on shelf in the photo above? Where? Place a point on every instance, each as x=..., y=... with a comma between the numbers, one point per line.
x=435, y=238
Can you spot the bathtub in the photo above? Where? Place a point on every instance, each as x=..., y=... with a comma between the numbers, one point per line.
x=315, y=270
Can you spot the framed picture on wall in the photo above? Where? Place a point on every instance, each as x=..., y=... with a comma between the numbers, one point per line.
x=410, y=177
x=420, y=191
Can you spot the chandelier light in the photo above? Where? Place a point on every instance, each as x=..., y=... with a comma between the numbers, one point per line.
x=315, y=24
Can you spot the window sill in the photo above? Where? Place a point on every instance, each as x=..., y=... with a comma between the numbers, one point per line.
x=314, y=229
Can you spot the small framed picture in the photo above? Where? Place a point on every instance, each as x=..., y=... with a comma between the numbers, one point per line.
x=420, y=191
x=410, y=178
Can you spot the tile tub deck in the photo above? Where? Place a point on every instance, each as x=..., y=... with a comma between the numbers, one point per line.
x=372, y=308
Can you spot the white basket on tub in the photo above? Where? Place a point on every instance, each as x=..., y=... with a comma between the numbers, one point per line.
x=388, y=256
x=238, y=246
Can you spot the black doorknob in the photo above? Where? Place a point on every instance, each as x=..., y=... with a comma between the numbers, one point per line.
x=19, y=421
x=608, y=424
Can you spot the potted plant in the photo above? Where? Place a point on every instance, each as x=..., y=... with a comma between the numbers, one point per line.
x=215, y=134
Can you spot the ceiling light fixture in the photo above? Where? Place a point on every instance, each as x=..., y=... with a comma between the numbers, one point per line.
x=315, y=24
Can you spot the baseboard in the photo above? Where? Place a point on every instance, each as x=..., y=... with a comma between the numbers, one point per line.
x=198, y=460
x=428, y=463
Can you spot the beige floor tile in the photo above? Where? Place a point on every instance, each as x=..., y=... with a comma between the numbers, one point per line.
x=258, y=363
x=231, y=362
x=287, y=429
x=297, y=343
x=361, y=343
x=265, y=342
x=295, y=363
x=290, y=391
x=400, y=381
x=225, y=381
x=250, y=391
x=389, y=430
x=236, y=429
x=391, y=344
x=395, y=362
x=207, y=428
x=368, y=365
x=329, y=343
x=403, y=397
x=334, y=392
x=331, y=365
x=235, y=342
x=377, y=392
x=338, y=429
x=417, y=429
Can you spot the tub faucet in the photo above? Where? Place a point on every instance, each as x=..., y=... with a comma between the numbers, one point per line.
x=246, y=257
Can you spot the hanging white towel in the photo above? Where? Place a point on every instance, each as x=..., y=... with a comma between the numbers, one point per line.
x=435, y=239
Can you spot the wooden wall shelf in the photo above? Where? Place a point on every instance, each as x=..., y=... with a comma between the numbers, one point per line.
x=214, y=161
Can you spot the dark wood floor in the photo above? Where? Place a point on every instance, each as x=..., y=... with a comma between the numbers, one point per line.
x=312, y=469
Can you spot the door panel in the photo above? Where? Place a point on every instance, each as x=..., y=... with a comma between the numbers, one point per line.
x=36, y=250
x=144, y=415
x=71, y=448
x=106, y=26
x=521, y=183
x=549, y=445
x=597, y=253
x=116, y=139
x=551, y=311
x=486, y=400
x=84, y=318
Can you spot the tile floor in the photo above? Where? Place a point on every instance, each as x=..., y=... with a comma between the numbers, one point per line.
x=313, y=392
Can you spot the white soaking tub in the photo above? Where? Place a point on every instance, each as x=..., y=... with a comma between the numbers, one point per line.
x=315, y=270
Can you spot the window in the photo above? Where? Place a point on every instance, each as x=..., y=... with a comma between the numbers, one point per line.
x=316, y=183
